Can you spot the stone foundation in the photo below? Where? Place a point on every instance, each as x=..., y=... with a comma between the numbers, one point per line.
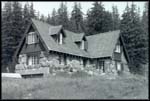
x=52, y=61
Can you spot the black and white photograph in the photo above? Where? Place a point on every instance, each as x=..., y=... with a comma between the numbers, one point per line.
x=74, y=50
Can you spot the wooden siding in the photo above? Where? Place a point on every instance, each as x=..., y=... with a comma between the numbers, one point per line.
x=28, y=48
x=116, y=55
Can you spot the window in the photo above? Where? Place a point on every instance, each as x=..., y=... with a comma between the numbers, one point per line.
x=101, y=66
x=82, y=45
x=60, y=59
x=118, y=49
x=118, y=66
x=31, y=38
x=32, y=60
x=60, y=38
x=65, y=60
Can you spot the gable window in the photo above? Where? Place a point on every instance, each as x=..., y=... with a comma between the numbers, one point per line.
x=117, y=49
x=32, y=60
x=31, y=38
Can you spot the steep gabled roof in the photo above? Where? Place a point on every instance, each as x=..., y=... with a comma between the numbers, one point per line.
x=68, y=47
x=102, y=44
x=99, y=45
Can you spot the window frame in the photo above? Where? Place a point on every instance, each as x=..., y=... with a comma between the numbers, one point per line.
x=31, y=38
x=34, y=59
x=101, y=65
x=118, y=48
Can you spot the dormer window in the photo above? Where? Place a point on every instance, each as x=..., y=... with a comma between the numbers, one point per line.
x=60, y=38
x=31, y=38
x=117, y=48
x=83, y=44
x=57, y=33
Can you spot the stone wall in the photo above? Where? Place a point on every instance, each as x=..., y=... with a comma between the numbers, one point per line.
x=52, y=60
x=112, y=68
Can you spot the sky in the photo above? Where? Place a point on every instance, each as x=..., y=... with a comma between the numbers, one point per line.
x=46, y=7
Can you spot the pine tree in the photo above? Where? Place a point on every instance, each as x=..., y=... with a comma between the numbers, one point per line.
x=144, y=24
x=62, y=17
x=32, y=11
x=107, y=22
x=48, y=20
x=17, y=27
x=134, y=38
x=6, y=35
x=42, y=18
x=145, y=18
x=76, y=19
x=26, y=16
x=54, y=17
x=115, y=18
x=98, y=19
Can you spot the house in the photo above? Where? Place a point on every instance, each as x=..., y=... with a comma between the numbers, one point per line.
x=104, y=51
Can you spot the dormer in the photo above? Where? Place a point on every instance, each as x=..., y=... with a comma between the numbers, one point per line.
x=84, y=44
x=81, y=42
x=57, y=33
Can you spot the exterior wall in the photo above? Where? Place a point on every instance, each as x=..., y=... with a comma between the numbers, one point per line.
x=52, y=56
x=113, y=67
x=124, y=63
x=109, y=66
x=120, y=57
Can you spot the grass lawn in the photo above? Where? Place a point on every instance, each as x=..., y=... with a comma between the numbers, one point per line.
x=69, y=87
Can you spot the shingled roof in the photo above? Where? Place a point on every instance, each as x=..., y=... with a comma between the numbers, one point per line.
x=99, y=45
x=54, y=29
x=68, y=47
x=102, y=44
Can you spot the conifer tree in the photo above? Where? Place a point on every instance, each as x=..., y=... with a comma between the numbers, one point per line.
x=62, y=17
x=42, y=18
x=115, y=18
x=48, y=20
x=134, y=37
x=144, y=23
x=76, y=19
x=54, y=17
x=98, y=19
x=6, y=35
x=32, y=11
x=26, y=16
x=17, y=27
